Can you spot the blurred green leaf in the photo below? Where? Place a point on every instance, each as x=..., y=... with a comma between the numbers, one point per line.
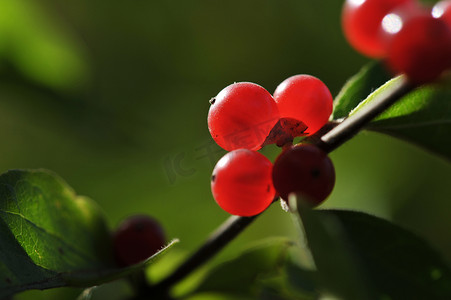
x=397, y=263
x=50, y=236
x=40, y=47
x=339, y=270
x=240, y=276
x=303, y=280
x=217, y=296
x=400, y=264
x=269, y=294
x=358, y=87
x=278, y=287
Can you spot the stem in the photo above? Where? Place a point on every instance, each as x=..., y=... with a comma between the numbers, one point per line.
x=221, y=237
x=328, y=142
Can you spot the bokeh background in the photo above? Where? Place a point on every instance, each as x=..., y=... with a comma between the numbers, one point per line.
x=113, y=96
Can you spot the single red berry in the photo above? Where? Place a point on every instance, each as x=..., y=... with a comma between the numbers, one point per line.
x=361, y=21
x=241, y=183
x=241, y=116
x=442, y=10
x=136, y=239
x=305, y=170
x=304, y=98
x=420, y=47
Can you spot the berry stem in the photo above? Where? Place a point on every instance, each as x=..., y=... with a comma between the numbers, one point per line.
x=338, y=134
x=233, y=226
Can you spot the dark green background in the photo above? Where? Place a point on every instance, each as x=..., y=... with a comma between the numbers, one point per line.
x=109, y=94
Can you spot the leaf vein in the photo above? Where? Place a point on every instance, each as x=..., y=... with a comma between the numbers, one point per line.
x=75, y=250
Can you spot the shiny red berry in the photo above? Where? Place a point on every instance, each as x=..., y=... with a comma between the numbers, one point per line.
x=241, y=116
x=136, y=239
x=304, y=170
x=420, y=47
x=304, y=98
x=361, y=21
x=241, y=183
x=442, y=10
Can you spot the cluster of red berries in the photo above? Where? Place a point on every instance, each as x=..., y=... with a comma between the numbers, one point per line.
x=244, y=117
x=414, y=40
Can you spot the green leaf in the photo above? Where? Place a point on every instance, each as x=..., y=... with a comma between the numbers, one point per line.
x=339, y=270
x=303, y=280
x=401, y=265
x=397, y=263
x=50, y=237
x=240, y=276
x=358, y=87
x=422, y=117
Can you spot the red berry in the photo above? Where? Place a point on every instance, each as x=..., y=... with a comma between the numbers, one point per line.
x=241, y=183
x=241, y=116
x=136, y=239
x=304, y=98
x=305, y=170
x=361, y=21
x=393, y=22
x=442, y=10
x=420, y=47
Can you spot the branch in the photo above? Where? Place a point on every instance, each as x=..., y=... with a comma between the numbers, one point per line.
x=328, y=142
x=217, y=240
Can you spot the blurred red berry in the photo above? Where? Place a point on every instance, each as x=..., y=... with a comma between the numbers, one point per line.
x=136, y=239
x=420, y=46
x=361, y=21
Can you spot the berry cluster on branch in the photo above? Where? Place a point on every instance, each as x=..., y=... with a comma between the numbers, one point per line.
x=244, y=117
